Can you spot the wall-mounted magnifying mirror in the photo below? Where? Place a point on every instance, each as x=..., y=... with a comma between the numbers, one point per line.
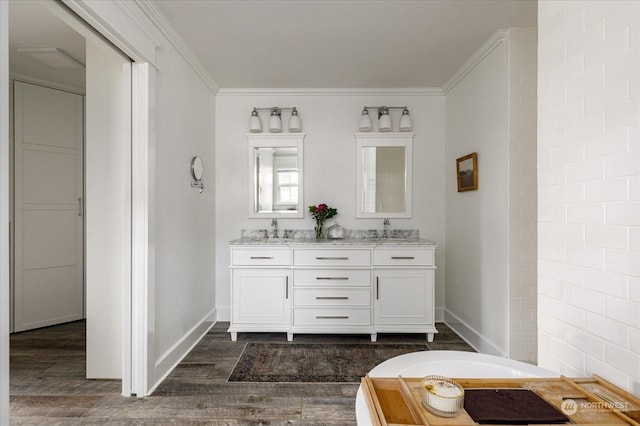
x=276, y=176
x=197, y=169
x=384, y=177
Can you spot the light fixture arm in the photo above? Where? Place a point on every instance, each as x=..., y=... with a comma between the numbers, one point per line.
x=381, y=109
x=277, y=109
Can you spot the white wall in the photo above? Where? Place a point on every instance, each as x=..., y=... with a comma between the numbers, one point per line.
x=184, y=217
x=490, y=109
x=523, y=327
x=476, y=295
x=329, y=119
x=589, y=189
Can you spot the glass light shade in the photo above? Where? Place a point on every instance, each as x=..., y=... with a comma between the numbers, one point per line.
x=365, y=121
x=384, y=124
x=255, y=124
x=275, y=124
x=406, y=122
x=295, y=124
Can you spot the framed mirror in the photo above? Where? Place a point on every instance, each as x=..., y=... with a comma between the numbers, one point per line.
x=383, y=175
x=276, y=175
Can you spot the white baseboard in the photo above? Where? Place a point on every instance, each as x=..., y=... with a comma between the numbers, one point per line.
x=471, y=336
x=170, y=359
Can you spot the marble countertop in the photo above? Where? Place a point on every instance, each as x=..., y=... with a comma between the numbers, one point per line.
x=324, y=242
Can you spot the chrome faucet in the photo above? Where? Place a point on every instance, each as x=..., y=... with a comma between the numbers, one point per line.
x=386, y=224
x=274, y=225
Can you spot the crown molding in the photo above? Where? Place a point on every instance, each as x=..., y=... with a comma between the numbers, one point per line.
x=167, y=30
x=414, y=91
x=494, y=41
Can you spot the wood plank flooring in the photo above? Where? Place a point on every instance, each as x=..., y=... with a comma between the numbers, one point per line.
x=48, y=385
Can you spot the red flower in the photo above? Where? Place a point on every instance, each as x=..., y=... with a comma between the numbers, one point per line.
x=322, y=212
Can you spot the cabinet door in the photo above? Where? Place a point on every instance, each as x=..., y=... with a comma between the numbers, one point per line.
x=261, y=296
x=404, y=297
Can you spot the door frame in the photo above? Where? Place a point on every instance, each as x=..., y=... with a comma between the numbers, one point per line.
x=135, y=41
x=4, y=213
x=140, y=46
x=137, y=44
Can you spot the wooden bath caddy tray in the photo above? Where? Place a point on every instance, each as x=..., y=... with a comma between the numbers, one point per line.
x=398, y=401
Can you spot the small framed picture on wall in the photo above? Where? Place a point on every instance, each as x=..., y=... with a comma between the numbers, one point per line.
x=467, y=171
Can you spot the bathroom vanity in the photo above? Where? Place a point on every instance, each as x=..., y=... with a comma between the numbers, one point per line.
x=356, y=286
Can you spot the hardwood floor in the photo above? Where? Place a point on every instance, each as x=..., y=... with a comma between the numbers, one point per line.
x=48, y=385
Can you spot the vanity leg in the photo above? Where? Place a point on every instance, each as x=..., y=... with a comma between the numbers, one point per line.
x=289, y=337
x=374, y=337
x=430, y=337
x=234, y=336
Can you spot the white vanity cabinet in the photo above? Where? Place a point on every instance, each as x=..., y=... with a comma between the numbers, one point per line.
x=403, y=299
x=260, y=289
x=331, y=290
x=350, y=287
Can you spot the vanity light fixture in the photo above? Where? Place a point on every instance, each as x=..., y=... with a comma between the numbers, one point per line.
x=365, y=121
x=295, y=124
x=406, y=122
x=384, y=119
x=255, y=124
x=275, y=120
x=275, y=123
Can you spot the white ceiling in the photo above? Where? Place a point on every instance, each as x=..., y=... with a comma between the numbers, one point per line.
x=339, y=43
x=32, y=25
x=301, y=43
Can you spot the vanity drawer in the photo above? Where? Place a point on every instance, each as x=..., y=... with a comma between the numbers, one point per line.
x=260, y=257
x=403, y=257
x=332, y=277
x=332, y=316
x=332, y=257
x=332, y=297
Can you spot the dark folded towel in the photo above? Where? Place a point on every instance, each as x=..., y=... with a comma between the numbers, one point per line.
x=510, y=406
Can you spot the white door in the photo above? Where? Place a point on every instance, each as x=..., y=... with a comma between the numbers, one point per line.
x=108, y=207
x=49, y=251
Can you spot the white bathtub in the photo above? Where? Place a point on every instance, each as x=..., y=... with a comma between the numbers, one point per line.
x=449, y=364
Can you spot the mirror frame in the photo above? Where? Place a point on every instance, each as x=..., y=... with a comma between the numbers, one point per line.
x=197, y=168
x=364, y=140
x=281, y=140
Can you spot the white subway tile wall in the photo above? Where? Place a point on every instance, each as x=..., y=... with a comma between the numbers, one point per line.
x=522, y=210
x=589, y=189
